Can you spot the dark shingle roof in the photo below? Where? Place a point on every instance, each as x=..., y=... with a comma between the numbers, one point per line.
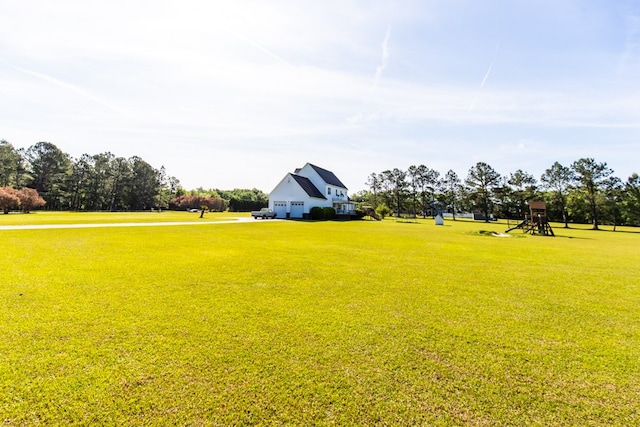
x=308, y=186
x=328, y=176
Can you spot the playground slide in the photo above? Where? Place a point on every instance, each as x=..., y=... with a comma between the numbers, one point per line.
x=521, y=225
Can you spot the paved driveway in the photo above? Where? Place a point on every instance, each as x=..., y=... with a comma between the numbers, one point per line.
x=123, y=224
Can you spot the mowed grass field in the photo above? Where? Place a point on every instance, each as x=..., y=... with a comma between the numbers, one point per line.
x=44, y=217
x=318, y=323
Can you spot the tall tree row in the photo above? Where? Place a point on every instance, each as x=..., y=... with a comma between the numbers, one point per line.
x=584, y=192
x=91, y=182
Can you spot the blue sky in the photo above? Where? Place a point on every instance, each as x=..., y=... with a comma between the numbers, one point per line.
x=234, y=94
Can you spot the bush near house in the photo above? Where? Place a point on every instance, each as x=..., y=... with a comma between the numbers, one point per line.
x=329, y=213
x=320, y=213
x=316, y=212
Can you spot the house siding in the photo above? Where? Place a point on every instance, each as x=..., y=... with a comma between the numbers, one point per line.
x=293, y=189
x=288, y=191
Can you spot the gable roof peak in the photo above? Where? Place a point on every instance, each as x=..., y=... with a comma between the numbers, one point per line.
x=328, y=176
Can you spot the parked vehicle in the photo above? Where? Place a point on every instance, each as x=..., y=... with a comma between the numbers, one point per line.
x=264, y=213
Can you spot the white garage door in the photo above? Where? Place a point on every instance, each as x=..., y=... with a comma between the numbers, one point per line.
x=280, y=208
x=297, y=209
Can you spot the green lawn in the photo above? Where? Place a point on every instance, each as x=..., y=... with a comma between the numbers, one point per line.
x=319, y=323
x=45, y=217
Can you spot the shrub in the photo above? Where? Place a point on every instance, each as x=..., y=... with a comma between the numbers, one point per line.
x=328, y=213
x=319, y=213
x=383, y=210
x=316, y=212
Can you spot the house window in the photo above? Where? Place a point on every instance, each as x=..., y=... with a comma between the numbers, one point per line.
x=329, y=190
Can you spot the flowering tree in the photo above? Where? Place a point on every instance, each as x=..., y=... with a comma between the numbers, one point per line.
x=8, y=199
x=196, y=202
x=29, y=199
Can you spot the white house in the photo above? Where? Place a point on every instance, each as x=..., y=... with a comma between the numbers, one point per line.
x=308, y=187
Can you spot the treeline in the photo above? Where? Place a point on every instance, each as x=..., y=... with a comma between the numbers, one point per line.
x=237, y=200
x=103, y=182
x=584, y=192
x=90, y=183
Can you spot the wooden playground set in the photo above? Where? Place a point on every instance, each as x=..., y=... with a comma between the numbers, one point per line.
x=536, y=222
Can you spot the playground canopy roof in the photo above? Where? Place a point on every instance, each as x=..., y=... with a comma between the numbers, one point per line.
x=537, y=205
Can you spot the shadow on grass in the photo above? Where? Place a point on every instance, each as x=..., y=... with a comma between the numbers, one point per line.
x=617, y=231
x=572, y=237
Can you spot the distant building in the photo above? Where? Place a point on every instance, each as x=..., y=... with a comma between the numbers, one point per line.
x=308, y=187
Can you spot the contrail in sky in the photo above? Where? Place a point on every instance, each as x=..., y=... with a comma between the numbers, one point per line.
x=486, y=76
x=67, y=86
x=385, y=57
x=262, y=48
